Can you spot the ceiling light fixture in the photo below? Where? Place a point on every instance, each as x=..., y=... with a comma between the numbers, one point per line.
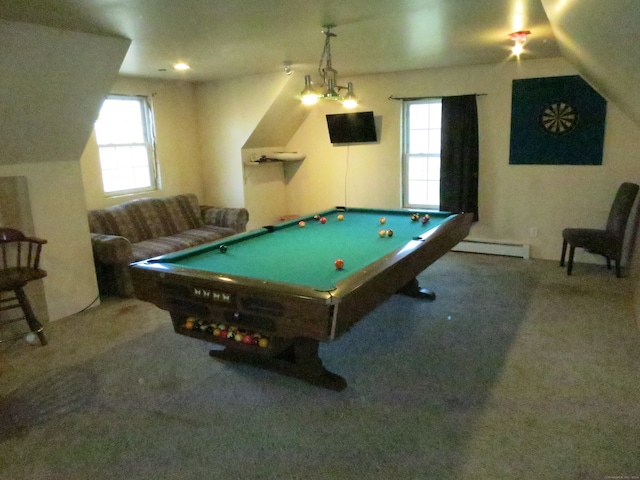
x=519, y=39
x=329, y=87
x=181, y=66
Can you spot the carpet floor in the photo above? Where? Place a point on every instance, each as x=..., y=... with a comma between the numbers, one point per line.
x=515, y=371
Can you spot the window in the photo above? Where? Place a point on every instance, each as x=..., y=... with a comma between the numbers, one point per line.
x=124, y=131
x=421, y=153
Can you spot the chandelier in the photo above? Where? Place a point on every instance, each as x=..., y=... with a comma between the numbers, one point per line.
x=329, y=87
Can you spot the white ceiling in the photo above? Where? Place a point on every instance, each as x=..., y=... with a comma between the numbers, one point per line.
x=231, y=38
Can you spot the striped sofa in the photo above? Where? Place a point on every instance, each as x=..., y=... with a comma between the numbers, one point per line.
x=148, y=227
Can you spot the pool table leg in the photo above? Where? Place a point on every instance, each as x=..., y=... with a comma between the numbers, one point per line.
x=300, y=361
x=413, y=289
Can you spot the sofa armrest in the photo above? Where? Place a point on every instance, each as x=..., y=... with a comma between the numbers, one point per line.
x=111, y=249
x=233, y=218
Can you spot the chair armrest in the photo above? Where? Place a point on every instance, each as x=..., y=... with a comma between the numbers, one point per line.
x=39, y=241
x=233, y=218
x=111, y=249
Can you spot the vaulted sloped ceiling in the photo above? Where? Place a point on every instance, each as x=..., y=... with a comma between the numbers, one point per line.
x=600, y=39
x=52, y=85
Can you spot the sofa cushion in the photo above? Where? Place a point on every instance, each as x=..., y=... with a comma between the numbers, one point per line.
x=173, y=243
x=179, y=213
x=147, y=218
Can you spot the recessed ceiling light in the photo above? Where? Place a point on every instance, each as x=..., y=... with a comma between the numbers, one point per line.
x=181, y=66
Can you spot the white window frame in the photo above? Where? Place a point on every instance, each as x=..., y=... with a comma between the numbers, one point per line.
x=109, y=152
x=430, y=179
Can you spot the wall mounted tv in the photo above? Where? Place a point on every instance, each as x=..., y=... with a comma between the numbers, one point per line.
x=357, y=127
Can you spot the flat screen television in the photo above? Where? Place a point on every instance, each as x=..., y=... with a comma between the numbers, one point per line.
x=357, y=127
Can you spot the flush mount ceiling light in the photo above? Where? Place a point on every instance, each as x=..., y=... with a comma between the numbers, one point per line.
x=181, y=66
x=519, y=38
x=329, y=88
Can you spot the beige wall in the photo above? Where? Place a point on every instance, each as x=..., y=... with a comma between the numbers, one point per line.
x=51, y=86
x=513, y=199
x=59, y=216
x=177, y=147
x=228, y=113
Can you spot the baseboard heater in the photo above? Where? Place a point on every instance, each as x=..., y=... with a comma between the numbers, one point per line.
x=493, y=248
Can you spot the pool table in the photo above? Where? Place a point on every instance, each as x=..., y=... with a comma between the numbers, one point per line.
x=269, y=296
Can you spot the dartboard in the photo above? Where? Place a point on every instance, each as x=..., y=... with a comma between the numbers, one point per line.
x=558, y=118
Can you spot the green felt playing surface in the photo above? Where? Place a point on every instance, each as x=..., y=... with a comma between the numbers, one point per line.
x=306, y=256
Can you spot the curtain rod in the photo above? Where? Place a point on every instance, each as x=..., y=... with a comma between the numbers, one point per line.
x=391, y=97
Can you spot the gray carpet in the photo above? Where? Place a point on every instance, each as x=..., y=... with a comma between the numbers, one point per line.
x=515, y=371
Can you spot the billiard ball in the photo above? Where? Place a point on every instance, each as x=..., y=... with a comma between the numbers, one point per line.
x=216, y=332
x=415, y=217
x=323, y=220
x=263, y=342
x=223, y=248
x=223, y=333
x=389, y=233
x=339, y=263
x=425, y=219
x=316, y=217
x=302, y=224
x=383, y=221
x=382, y=233
x=189, y=323
x=340, y=217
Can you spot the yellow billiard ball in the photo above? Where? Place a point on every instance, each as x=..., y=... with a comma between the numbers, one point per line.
x=340, y=217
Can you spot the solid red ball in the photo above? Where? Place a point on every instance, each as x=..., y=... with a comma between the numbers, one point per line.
x=339, y=264
x=323, y=220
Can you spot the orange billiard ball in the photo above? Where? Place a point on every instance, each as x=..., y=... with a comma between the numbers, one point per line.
x=302, y=224
x=339, y=263
x=383, y=220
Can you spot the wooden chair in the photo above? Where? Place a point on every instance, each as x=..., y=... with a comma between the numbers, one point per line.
x=20, y=264
x=607, y=242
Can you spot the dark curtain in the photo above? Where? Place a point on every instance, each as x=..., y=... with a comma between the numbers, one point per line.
x=459, y=155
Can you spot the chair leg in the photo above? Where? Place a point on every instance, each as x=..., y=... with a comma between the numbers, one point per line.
x=608, y=263
x=618, y=270
x=34, y=324
x=572, y=250
x=564, y=252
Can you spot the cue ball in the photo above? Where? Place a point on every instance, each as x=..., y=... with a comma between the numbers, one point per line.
x=302, y=224
x=339, y=263
x=223, y=248
x=340, y=217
